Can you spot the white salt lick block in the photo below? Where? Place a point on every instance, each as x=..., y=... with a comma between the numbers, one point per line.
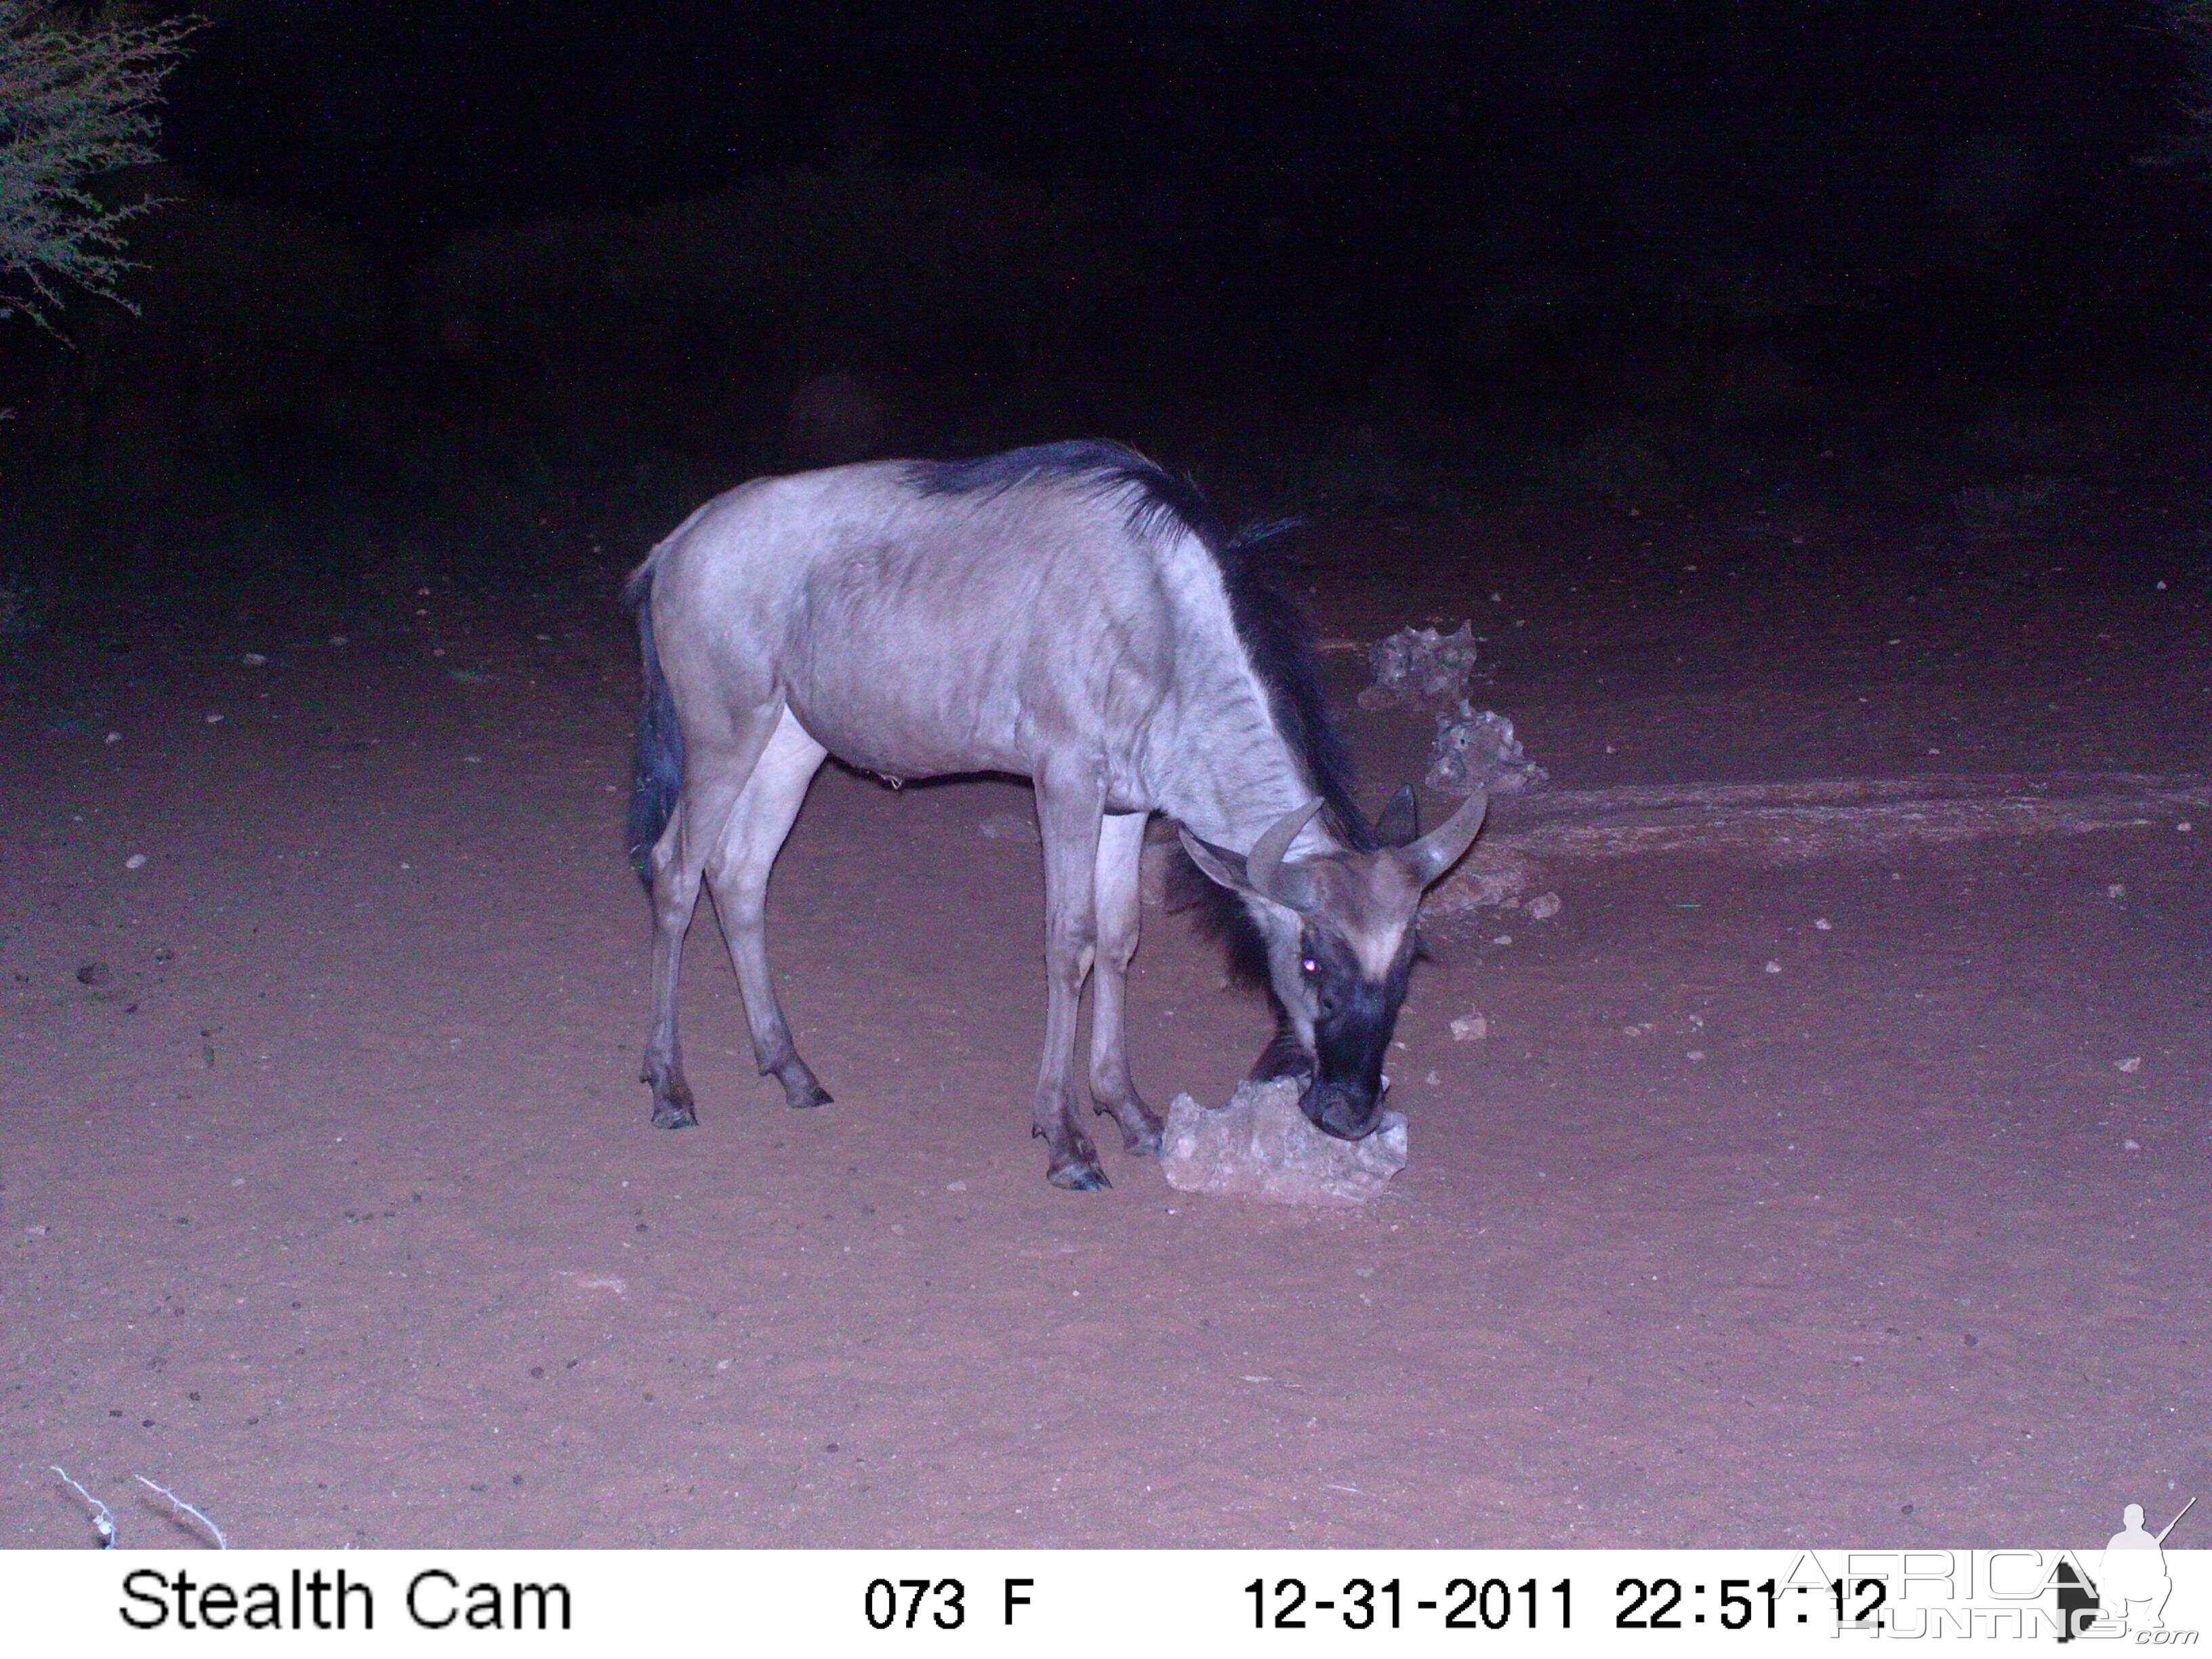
x=1261, y=1146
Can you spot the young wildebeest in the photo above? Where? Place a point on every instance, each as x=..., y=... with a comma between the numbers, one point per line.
x=1069, y=613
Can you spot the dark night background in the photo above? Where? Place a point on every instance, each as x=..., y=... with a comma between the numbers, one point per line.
x=540, y=278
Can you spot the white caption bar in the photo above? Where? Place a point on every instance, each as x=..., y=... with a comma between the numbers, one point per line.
x=988, y=1602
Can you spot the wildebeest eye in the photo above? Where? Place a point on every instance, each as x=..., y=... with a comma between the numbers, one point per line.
x=1310, y=966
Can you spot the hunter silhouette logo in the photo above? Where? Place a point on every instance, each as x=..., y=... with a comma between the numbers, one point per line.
x=2131, y=1584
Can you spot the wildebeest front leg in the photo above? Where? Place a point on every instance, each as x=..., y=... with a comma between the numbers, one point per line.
x=1069, y=810
x=1121, y=846
x=738, y=871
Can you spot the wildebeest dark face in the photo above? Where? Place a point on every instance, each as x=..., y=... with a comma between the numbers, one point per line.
x=1348, y=1015
x=1341, y=945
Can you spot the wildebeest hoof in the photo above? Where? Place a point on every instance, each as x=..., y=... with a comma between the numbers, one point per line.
x=1078, y=1177
x=672, y=1095
x=1074, y=1164
x=800, y=1096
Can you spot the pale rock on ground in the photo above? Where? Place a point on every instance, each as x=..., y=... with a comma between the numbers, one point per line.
x=1478, y=749
x=1415, y=663
x=1261, y=1146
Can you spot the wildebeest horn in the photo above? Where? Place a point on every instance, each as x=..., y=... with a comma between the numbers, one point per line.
x=1263, y=865
x=1438, y=851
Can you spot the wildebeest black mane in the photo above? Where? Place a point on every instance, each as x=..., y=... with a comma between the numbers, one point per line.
x=1274, y=632
x=1157, y=499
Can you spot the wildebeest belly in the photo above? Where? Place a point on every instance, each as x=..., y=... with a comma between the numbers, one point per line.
x=920, y=716
x=914, y=663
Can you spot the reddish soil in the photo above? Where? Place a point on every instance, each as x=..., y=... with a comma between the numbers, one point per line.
x=328, y=1198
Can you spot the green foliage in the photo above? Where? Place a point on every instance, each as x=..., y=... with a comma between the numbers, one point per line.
x=75, y=104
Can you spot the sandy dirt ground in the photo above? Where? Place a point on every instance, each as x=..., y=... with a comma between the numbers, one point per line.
x=1861, y=1200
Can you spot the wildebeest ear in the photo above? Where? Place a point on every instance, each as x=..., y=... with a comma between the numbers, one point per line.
x=1399, y=824
x=1219, y=863
x=1263, y=873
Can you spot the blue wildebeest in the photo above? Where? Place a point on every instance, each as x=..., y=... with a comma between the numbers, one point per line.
x=1069, y=613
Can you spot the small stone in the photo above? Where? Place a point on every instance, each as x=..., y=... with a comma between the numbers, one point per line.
x=1261, y=1146
x=2132, y=1063
x=2115, y=890
x=1543, y=907
x=254, y=659
x=1773, y=967
x=95, y=974
x=114, y=736
x=1821, y=924
x=1432, y=1079
x=215, y=720
x=2132, y=1145
x=1469, y=1028
x=136, y=861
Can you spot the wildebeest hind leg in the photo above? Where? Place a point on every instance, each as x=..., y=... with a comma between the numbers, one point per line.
x=1120, y=845
x=738, y=872
x=716, y=769
x=677, y=861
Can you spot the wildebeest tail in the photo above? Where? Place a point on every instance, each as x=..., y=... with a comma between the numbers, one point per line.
x=657, y=774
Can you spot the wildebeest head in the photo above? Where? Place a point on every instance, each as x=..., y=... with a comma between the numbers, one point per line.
x=1340, y=942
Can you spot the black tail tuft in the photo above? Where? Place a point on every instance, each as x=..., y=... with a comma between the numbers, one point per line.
x=658, y=773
